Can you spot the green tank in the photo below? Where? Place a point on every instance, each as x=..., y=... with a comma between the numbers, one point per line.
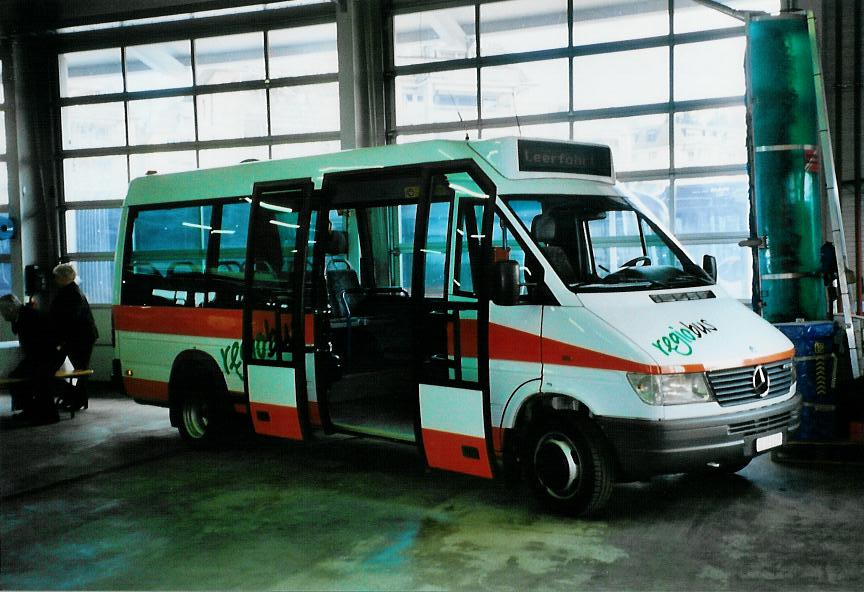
x=782, y=105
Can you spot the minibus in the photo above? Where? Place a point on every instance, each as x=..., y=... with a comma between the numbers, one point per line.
x=500, y=305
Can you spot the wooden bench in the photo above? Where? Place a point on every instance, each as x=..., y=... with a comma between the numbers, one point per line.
x=66, y=376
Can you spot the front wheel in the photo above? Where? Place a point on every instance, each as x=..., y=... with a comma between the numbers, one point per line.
x=569, y=466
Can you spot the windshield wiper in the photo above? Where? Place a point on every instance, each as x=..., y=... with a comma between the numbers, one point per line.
x=603, y=285
x=688, y=278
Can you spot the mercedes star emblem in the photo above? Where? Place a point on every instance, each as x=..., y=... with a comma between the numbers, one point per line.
x=761, y=382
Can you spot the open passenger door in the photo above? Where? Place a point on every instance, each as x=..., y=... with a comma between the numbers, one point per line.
x=274, y=320
x=411, y=355
x=454, y=395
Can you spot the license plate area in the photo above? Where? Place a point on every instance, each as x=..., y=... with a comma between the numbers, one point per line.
x=768, y=442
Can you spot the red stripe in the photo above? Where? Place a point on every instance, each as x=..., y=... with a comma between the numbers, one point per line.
x=280, y=420
x=507, y=343
x=565, y=354
x=150, y=390
x=766, y=359
x=444, y=451
x=498, y=440
x=309, y=328
x=197, y=322
x=314, y=413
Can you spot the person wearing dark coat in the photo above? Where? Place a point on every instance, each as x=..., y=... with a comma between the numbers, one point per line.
x=72, y=319
x=42, y=358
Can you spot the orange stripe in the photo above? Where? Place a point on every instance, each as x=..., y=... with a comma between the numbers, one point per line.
x=565, y=354
x=280, y=420
x=198, y=322
x=507, y=343
x=444, y=451
x=498, y=440
x=767, y=359
x=309, y=328
x=150, y=390
x=314, y=413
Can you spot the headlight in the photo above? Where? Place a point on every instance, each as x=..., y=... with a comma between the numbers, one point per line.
x=670, y=389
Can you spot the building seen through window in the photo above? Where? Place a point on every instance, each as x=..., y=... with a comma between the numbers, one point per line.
x=180, y=104
x=5, y=247
x=670, y=107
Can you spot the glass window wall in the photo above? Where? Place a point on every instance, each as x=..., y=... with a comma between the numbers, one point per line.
x=179, y=104
x=5, y=245
x=661, y=82
x=434, y=36
x=522, y=25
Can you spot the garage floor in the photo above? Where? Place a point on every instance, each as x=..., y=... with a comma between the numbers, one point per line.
x=112, y=499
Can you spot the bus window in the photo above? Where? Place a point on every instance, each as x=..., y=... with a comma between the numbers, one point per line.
x=232, y=233
x=227, y=276
x=467, y=247
x=436, y=249
x=406, y=218
x=168, y=256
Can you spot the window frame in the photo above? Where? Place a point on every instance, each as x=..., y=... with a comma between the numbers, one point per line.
x=188, y=31
x=8, y=127
x=209, y=276
x=671, y=41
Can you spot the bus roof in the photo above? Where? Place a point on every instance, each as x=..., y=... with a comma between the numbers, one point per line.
x=516, y=165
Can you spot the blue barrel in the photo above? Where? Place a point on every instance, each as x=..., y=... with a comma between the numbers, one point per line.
x=815, y=364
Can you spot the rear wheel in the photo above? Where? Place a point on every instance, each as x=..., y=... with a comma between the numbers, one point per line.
x=199, y=420
x=568, y=465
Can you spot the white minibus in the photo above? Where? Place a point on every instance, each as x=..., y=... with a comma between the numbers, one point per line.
x=501, y=305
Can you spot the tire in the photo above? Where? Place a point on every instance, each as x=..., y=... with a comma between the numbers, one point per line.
x=199, y=420
x=569, y=466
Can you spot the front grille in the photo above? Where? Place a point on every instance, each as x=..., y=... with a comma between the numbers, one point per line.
x=765, y=424
x=734, y=386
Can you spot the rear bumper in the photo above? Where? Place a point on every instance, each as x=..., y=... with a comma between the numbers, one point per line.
x=646, y=448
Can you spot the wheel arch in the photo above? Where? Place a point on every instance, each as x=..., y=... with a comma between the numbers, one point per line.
x=528, y=408
x=194, y=369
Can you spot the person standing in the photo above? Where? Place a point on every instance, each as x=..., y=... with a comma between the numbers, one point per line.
x=76, y=330
x=42, y=357
x=72, y=319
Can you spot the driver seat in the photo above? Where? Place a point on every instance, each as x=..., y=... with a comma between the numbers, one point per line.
x=544, y=229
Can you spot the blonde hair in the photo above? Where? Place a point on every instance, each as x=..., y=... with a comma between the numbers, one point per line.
x=65, y=271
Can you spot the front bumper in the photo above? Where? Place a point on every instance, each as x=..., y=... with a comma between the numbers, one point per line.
x=644, y=448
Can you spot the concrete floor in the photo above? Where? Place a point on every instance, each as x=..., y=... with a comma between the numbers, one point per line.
x=112, y=499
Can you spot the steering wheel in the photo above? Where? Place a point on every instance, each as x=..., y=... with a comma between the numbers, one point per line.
x=632, y=263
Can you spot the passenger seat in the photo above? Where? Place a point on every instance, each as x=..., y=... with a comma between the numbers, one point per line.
x=342, y=284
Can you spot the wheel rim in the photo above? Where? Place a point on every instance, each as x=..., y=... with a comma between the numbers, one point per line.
x=557, y=465
x=195, y=418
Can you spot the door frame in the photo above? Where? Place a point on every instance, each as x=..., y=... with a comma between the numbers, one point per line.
x=305, y=187
x=425, y=172
x=482, y=291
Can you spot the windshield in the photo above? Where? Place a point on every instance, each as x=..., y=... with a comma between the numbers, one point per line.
x=601, y=243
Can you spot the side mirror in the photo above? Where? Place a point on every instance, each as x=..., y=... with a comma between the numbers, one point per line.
x=709, y=264
x=505, y=288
